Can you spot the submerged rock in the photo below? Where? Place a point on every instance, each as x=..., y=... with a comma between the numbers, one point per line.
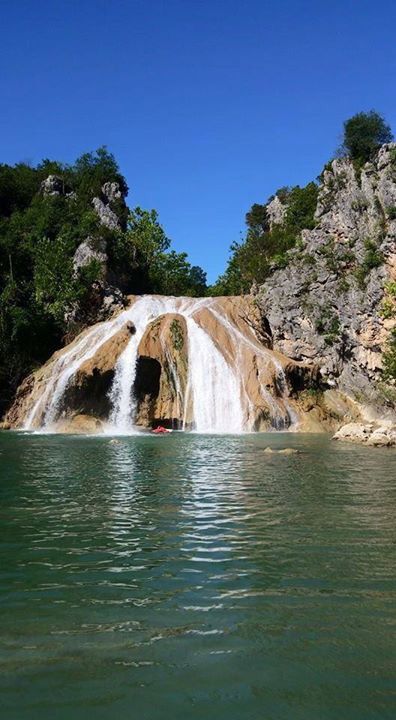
x=80, y=425
x=284, y=451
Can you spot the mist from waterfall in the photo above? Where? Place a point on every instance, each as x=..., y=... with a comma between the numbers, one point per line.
x=215, y=385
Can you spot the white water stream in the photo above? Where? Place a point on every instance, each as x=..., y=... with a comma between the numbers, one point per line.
x=215, y=387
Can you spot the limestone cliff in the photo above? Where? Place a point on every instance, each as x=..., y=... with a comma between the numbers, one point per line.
x=334, y=302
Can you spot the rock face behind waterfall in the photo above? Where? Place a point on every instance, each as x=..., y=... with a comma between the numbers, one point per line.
x=183, y=347
x=162, y=372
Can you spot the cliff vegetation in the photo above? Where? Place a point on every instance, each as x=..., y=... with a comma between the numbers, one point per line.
x=321, y=261
x=70, y=249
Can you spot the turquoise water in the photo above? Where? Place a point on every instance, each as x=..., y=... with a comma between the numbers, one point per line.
x=191, y=577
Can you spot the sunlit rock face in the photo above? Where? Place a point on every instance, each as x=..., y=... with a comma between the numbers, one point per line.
x=333, y=304
x=206, y=364
x=161, y=379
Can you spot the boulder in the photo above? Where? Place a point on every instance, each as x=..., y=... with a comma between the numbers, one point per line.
x=80, y=424
x=105, y=203
x=107, y=216
x=276, y=212
x=52, y=185
x=90, y=249
x=368, y=434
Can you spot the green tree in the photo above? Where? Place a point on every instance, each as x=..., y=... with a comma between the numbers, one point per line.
x=257, y=220
x=262, y=248
x=197, y=280
x=364, y=133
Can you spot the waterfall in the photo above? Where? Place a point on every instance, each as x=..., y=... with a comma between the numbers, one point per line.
x=215, y=391
x=46, y=407
x=142, y=313
x=214, y=385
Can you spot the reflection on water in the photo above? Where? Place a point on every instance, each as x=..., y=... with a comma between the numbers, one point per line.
x=191, y=576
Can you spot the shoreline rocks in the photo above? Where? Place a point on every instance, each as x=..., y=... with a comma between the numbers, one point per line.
x=370, y=434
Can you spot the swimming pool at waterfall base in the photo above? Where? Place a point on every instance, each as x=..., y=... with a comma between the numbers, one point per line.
x=196, y=577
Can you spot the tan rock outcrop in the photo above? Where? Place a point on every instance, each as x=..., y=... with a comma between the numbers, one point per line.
x=161, y=376
x=368, y=434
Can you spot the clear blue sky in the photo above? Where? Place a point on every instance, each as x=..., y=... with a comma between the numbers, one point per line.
x=208, y=105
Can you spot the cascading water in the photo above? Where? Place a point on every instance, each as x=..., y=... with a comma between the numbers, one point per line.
x=213, y=384
x=144, y=311
x=280, y=419
x=215, y=387
x=215, y=390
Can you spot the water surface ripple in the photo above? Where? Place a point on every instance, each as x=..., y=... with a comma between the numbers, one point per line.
x=196, y=577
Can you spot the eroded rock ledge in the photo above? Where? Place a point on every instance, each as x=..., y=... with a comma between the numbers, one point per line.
x=370, y=434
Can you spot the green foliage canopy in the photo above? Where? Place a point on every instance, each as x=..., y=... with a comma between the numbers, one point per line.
x=364, y=133
x=262, y=248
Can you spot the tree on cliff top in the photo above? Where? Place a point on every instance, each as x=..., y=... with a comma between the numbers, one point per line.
x=364, y=133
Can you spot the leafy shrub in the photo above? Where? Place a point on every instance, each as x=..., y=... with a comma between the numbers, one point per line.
x=343, y=285
x=387, y=308
x=301, y=206
x=389, y=357
x=308, y=259
x=328, y=325
x=177, y=335
x=253, y=259
x=372, y=258
x=388, y=305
